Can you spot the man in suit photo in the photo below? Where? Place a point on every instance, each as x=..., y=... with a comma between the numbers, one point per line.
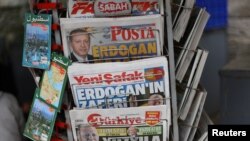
x=80, y=44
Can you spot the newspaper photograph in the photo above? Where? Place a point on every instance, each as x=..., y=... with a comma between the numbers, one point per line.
x=129, y=124
x=120, y=84
x=146, y=7
x=86, y=9
x=112, y=39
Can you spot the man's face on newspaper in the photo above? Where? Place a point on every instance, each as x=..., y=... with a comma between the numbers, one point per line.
x=80, y=43
x=88, y=133
x=155, y=99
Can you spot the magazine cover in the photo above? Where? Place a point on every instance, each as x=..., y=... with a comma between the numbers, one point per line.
x=54, y=80
x=40, y=123
x=85, y=8
x=112, y=38
x=142, y=82
x=130, y=124
x=37, y=41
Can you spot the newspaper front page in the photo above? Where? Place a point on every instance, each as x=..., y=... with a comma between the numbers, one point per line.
x=142, y=82
x=85, y=8
x=126, y=124
x=115, y=39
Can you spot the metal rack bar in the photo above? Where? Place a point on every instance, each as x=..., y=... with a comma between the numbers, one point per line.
x=168, y=24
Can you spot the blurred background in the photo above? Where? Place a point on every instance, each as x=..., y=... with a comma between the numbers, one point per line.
x=226, y=75
x=14, y=78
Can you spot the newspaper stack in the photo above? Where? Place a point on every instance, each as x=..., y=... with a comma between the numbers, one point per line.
x=136, y=123
x=116, y=85
x=110, y=82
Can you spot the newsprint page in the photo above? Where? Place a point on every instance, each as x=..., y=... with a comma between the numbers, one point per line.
x=136, y=83
x=127, y=124
x=114, y=38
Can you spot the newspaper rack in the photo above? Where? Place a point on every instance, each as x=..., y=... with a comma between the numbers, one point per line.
x=165, y=38
x=168, y=37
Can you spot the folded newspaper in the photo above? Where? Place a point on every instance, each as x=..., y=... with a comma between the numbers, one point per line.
x=120, y=84
x=129, y=124
x=86, y=8
x=114, y=38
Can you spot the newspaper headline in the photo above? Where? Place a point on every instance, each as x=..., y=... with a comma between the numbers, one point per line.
x=142, y=124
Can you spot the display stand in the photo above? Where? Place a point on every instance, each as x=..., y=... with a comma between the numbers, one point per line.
x=168, y=37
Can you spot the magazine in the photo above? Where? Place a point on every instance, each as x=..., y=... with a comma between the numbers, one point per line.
x=37, y=41
x=131, y=124
x=120, y=84
x=112, y=38
x=54, y=81
x=40, y=124
x=85, y=8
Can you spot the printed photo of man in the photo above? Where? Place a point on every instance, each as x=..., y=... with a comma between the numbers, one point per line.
x=88, y=133
x=138, y=10
x=132, y=133
x=152, y=9
x=155, y=99
x=80, y=45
